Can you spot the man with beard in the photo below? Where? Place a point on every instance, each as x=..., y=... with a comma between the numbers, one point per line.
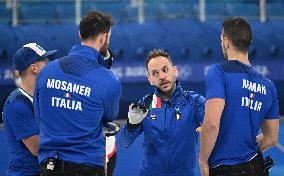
x=74, y=95
x=168, y=117
x=18, y=115
x=240, y=101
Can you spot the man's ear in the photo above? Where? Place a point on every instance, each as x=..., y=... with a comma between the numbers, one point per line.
x=150, y=81
x=33, y=68
x=102, y=38
x=175, y=69
x=227, y=43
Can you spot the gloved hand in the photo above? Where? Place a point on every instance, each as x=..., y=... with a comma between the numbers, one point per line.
x=110, y=128
x=136, y=113
x=108, y=57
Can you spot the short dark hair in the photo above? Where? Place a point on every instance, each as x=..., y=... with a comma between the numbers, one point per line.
x=239, y=31
x=156, y=53
x=22, y=73
x=94, y=24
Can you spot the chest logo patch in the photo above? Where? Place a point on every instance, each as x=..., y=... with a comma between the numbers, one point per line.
x=153, y=117
x=178, y=113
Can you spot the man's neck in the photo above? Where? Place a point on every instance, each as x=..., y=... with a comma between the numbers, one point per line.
x=91, y=44
x=242, y=57
x=28, y=85
x=166, y=96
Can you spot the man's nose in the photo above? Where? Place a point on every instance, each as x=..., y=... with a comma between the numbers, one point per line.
x=162, y=75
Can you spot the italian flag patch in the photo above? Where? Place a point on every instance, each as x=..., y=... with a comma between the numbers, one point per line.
x=67, y=95
x=156, y=102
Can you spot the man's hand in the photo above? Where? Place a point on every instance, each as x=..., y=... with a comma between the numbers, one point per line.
x=269, y=136
x=110, y=128
x=136, y=114
x=108, y=58
x=204, y=168
x=198, y=129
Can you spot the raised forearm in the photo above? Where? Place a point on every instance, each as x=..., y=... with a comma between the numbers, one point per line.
x=127, y=135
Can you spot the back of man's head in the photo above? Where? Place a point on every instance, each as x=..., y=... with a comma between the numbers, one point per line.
x=94, y=24
x=239, y=32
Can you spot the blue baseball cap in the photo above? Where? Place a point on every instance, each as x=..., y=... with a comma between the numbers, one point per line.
x=29, y=54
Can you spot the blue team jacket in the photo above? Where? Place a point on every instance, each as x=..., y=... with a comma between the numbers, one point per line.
x=169, y=130
x=73, y=96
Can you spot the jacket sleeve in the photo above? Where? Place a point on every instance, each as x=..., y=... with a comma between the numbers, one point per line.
x=273, y=111
x=215, y=82
x=198, y=102
x=130, y=132
x=21, y=119
x=112, y=98
x=127, y=135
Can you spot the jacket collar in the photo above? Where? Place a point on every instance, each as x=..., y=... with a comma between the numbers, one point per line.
x=88, y=52
x=85, y=51
x=175, y=94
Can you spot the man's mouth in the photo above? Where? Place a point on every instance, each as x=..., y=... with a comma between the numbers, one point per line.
x=165, y=84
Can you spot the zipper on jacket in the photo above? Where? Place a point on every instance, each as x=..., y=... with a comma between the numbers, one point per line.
x=166, y=157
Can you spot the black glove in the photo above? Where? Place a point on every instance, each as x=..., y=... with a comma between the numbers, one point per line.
x=268, y=163
x=108, y=58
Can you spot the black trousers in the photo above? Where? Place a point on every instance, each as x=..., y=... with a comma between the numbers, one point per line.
x=253, y=167
x=55, y=167
x=111, y=165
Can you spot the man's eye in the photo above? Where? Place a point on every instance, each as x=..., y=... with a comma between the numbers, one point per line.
x=166, y=69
